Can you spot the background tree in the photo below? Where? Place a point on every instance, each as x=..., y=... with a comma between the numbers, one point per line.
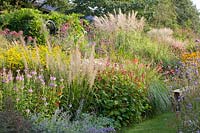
x=187, y=14
x=17, y=4
x=165, y=14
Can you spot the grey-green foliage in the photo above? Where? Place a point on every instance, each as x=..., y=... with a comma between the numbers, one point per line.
x=60, y=123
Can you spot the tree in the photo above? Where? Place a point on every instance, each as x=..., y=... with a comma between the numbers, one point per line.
x=17, y=4
x=165, y=14
x=187, y=14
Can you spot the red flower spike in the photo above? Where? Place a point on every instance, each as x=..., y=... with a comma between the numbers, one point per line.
x=135, y=61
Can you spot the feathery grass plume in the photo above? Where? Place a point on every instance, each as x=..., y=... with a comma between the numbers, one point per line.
x=165, y=35
x=82, y=68
x=119, y=21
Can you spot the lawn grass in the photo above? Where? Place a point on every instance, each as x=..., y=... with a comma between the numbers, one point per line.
x=164, y=123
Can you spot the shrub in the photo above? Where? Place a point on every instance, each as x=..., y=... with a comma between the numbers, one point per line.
x=32, y=23
x=120, y=96
x=27, y=20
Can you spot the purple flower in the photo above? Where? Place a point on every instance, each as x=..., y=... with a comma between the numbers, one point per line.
x=30, y=90
x=20, y=78
x=4, y=81
x=33, y=72
x=195, y=83
x=52, y=78
x=28, y=76
x=40, y=77
x=10, y=78
x=196, y=72
x=189, y=106
x=52, y=85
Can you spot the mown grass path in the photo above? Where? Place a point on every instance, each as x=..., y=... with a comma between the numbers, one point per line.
x=164, y=123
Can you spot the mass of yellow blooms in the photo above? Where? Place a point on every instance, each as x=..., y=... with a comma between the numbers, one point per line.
x=190, y=56
x=19, y=56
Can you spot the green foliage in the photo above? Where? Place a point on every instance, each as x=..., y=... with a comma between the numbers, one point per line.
x=32, y=23
x=119, y=97
x=13, y=4
x=165, y=14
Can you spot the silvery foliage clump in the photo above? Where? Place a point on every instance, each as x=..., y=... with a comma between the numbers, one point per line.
x=61, y=122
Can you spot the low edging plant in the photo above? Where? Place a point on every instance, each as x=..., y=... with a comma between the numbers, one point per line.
x=12, y=121
x=61, y=122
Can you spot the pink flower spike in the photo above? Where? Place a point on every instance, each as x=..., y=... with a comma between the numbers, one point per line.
x=30, y=38
x=28, y=76
x=20, y=32
x=33, y=72
x=30, y=90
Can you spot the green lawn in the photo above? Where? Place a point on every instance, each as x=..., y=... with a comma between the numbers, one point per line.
x=164, y=123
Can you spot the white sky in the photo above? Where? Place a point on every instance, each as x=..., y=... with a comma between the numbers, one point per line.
x=197, y=3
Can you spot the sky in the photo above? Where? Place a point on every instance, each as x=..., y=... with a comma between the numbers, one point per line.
x=197, y=3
